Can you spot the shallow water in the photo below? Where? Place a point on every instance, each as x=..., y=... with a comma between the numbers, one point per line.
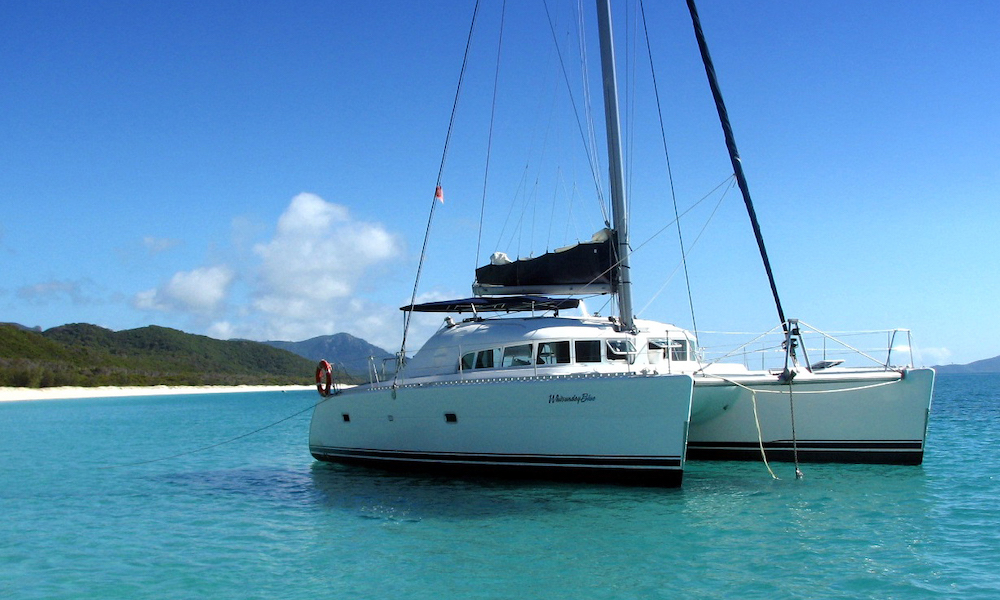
x=257, y=518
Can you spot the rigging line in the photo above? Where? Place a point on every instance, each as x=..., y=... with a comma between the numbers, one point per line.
x=581, y=40
x=520, y=194
x=576, y=113
x=683, y=254
x=795, y=439
x=632, y=251
x=549, y=131
x=217, y=444
x=845, y=344
x=670, y=173
x=434, y=200
x=632, y=64
x=489, y=142
x=552, y=212
x=689, y=209
x=741, y=348
x=510, y=208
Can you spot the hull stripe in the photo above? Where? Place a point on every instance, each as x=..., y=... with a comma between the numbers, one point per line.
x=534, y=460
x=905, y=452
x=815, y=445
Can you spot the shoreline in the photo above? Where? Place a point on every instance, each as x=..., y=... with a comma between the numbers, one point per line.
x=14, y=394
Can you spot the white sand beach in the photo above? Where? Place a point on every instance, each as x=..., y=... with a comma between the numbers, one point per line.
x=10, y=394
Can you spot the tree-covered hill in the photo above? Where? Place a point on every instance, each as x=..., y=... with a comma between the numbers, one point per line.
x=88, y=355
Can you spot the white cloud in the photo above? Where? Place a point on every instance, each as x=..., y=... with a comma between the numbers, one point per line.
x=199, y=291
x=222, y=330
x=318, y=254
x=932, y=356
x=303, y=282
x=311, y=268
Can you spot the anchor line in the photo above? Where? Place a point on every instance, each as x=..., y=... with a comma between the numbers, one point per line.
x=217, y=444
x=756, y=418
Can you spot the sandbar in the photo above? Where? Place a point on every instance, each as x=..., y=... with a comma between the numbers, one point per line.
x=12, y=394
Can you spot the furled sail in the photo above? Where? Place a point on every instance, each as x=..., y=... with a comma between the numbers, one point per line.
x=584, y=268
x=501, y=304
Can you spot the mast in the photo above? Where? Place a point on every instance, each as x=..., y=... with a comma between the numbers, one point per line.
x=734, y=154
x=618, y=210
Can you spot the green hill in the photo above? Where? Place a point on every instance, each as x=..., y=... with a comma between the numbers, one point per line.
x=87, y=355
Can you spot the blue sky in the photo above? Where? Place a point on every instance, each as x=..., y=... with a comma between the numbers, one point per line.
x=265, y=169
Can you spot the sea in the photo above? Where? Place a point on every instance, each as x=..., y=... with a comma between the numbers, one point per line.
x=216, y=496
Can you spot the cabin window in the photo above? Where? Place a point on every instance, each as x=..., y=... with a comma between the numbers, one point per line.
x=552, y=353
x=468, y=360
x=484, y=360
x=657, y=349
x=620, y=350
x=588, y=351
x=679, y=350
x=517, y=356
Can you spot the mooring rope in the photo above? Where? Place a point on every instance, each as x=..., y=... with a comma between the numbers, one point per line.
x=760, y=436
x=756, y=417
x=217, y=444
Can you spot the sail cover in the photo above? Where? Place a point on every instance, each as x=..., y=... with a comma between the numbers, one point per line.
x=585, y=268
x=501, y=304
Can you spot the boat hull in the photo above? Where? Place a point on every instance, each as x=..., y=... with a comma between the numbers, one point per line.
x=623, y=428
x=876, y=418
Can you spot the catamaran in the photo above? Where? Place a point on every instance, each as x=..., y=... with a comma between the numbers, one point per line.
x=517, y=386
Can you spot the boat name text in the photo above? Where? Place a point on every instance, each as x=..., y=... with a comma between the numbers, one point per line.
x=579, y=399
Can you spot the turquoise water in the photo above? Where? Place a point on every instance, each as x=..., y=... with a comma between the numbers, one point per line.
x=257, y=518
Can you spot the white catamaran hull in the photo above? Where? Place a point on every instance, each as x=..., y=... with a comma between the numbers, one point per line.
x=875, y=417
x=629, y=428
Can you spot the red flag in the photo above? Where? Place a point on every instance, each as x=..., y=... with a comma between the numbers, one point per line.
x=439, y=194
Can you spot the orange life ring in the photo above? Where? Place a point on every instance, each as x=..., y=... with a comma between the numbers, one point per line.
x=324, y=378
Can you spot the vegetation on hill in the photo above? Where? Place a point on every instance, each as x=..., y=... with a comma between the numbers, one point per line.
x=87, y=355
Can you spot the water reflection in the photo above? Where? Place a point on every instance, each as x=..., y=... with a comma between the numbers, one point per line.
x=373, y=493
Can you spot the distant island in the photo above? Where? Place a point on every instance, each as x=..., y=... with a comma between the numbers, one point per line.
x=987, y=365
x=348, y=353
x=87, y=355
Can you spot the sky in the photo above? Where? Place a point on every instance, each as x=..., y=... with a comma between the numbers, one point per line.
x=265, y=170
